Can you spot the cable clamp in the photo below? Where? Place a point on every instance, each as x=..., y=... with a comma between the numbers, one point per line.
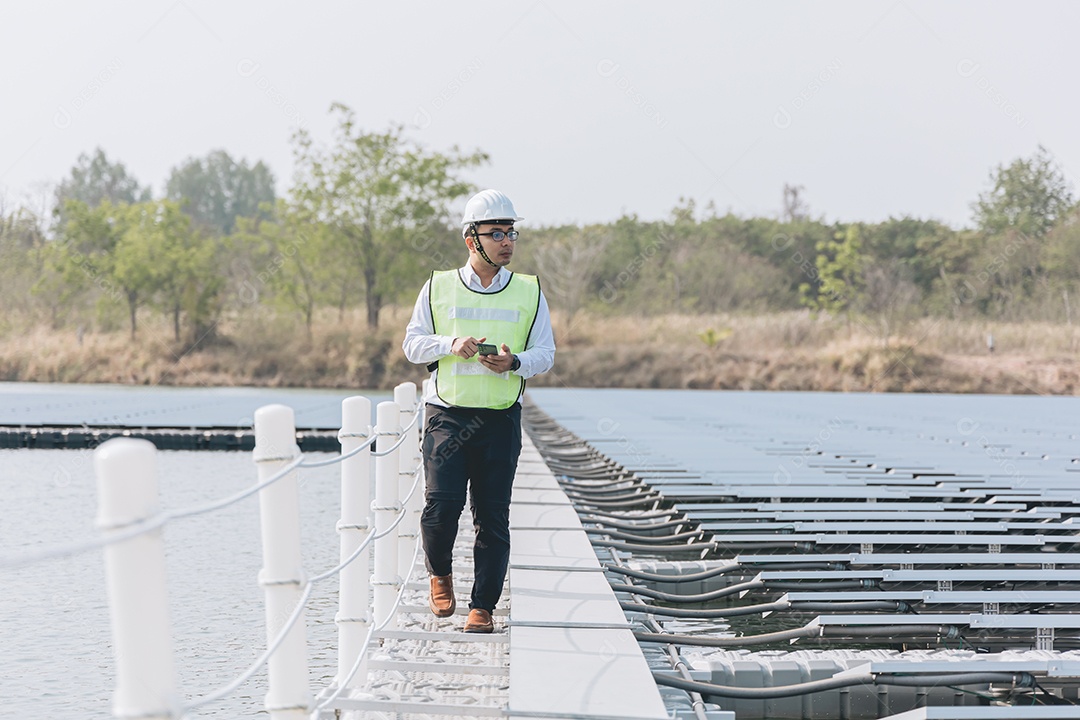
x=265, y=581
x=124, y=524
x=343, y=435
x=342, y=619
x=285, y=708
x=353, y=526
x=291, y=454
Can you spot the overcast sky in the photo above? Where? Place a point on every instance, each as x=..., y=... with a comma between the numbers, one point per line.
x=588, y=109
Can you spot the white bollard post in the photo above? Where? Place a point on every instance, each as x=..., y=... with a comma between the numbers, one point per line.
x=386, y=581
x=405, y=397
x=135, y=577
x=354, y=592
x=416, y=505
x=282, y=576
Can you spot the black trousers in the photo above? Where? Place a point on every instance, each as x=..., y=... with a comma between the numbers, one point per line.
x=477, y=450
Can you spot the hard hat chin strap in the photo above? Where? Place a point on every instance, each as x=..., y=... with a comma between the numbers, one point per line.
x=479, y=247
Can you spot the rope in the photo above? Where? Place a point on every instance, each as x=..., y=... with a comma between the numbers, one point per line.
x=362, y=654
x=305, y=596
x=228, y=689
x=338, y=458
x=157, y=521
x=403, y=438
x=143, y=526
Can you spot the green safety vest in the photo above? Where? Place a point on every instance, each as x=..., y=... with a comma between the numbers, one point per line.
x=504, y=316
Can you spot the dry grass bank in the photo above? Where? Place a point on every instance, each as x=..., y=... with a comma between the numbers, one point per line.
x=797, y=351
x=788, y=351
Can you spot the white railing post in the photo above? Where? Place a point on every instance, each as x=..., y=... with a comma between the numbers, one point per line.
x=405, y=397
x=387, y=430
x=416, y=505
x=354, y=609
x=135, y=577
x=282, y=575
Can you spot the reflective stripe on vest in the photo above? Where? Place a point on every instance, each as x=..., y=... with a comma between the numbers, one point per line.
x=504, y=316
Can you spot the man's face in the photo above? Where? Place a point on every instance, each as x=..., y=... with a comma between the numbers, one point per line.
x=500, y=252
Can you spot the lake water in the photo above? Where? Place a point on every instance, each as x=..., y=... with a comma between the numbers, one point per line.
x=55, y=647
x=56, y=658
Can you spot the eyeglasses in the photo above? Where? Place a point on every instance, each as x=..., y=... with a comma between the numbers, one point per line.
x=499, y=235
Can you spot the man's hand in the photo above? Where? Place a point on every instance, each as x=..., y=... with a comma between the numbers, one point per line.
x=498, y=363
x=465, y=347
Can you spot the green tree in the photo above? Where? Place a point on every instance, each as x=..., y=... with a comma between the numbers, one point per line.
x=374, y=191
x=91, y=254
x=204, y=288
x=216, y=190
x=22, y=241
x=158, y=251
x=296, y=262
x=94, y=180
x=1030, y=195
x=840, y=266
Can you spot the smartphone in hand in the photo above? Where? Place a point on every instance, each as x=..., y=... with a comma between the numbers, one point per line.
x=487, y=349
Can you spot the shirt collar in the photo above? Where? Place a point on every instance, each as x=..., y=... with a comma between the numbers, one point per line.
x=473, y=280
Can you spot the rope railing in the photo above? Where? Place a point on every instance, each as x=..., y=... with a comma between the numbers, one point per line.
x=246, y=675
x=133, y=530
x=339, y=687
x=166, y=516
x=340, y=458
x=403, y=431
x=135, y=573
x=163, y=517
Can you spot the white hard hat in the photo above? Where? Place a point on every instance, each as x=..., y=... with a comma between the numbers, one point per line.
x=489, y=206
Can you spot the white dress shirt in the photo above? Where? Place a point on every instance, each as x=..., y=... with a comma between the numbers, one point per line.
x=422, y=346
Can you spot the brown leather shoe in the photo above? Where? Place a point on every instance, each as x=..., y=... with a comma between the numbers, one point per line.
x=441, y=600
x=479, y=621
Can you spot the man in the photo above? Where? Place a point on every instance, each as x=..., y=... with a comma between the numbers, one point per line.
x=481, y=330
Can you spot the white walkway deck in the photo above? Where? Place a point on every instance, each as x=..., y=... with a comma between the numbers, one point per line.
x=562, y=647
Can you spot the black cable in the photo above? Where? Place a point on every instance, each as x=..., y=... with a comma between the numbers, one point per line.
x=642, y=548
x=606, y=501
x=707, y=614
x=777, y=606
x=620, y=525
x=1057, y=700
x=651, y=515
x=597, y=492
x=896, y=606
x=736, y=588
x=814, y=686
x=689, y=577
x=647, y=539
x=650, y=500
x=742, y=641
x=713, y=572
x=944, y=631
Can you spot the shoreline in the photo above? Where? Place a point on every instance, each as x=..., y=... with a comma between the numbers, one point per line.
x=592, y=368
x=780, y=352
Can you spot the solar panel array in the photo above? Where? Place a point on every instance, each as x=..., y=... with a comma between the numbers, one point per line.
x=964, y=507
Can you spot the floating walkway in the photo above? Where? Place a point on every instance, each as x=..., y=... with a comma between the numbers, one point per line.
x=562, y=647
